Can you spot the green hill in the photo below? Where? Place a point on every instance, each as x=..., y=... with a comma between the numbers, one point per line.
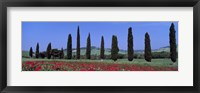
x=164, y=49
x=95, y=51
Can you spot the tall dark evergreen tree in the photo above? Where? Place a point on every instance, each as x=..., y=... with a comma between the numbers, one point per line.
x=61, y=54
x=78, y=44
x=130, y=45
x=102, y=48
x=31, y=52
x=48, y=51
x=172, y=41
x=88, y=49
x=69, y=47
x=114, y=48
x=147, y=51
x=37, y=52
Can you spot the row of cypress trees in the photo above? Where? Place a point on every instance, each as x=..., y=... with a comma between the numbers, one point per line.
x=147, y=50
x=114, y=46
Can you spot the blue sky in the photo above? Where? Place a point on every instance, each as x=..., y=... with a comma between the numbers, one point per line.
x=57, y=33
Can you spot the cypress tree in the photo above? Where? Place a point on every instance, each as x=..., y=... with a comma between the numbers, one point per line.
x=78, y=44
x=69, y=47
x=130, y=45
x=61, y=54
x=31, y=52
x=102, y=48
x=37, y=52
x=88, y=49
x=147, y=51
x=114, y=48
x=48, y=51
x=172, y=42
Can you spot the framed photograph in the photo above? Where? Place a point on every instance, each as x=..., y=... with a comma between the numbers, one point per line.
x=99, y=46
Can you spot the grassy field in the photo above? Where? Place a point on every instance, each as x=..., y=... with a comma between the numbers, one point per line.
x=140, y=62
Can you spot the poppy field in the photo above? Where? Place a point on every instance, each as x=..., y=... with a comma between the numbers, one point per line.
x=97, y=65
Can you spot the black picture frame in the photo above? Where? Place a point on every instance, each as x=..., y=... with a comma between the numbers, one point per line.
x=99, y=3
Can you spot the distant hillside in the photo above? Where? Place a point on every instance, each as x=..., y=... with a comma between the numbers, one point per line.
x=96, y=51
x=165, y=49
x=25, y=53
